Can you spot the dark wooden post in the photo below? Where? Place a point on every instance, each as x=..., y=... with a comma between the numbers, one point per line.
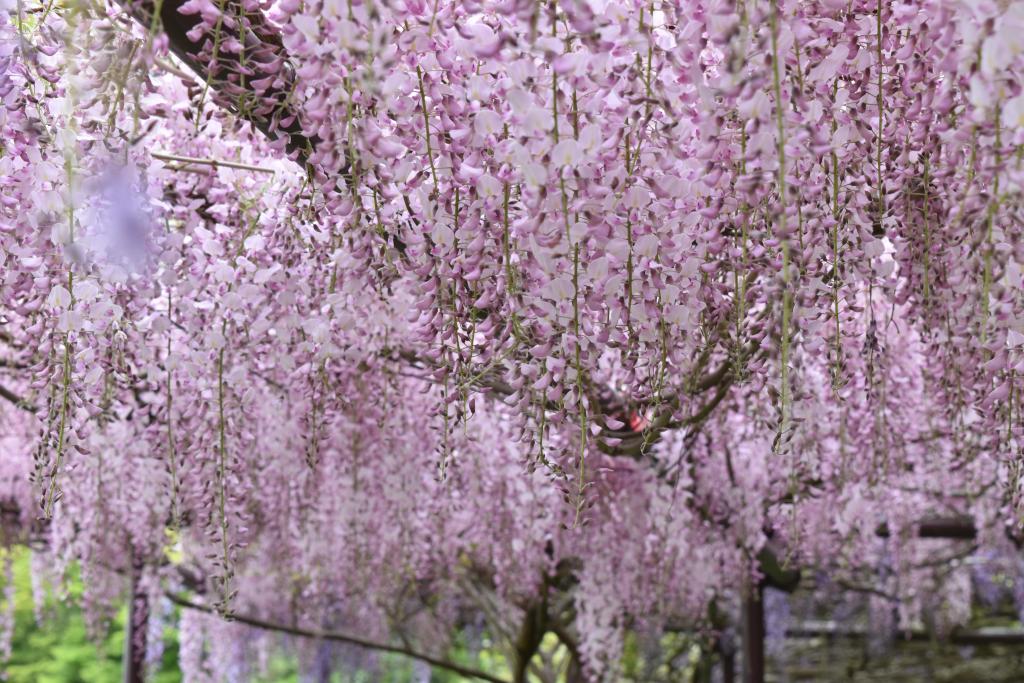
x=136, y=627
x=723, y=644
x=728, y=667
x=753, y=636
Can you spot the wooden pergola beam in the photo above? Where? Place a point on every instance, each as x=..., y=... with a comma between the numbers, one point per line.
x=966, y=636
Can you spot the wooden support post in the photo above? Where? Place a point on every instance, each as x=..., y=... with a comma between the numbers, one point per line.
x=729, y=667
x=136, y=627
x=724, y=643
x=753, y=636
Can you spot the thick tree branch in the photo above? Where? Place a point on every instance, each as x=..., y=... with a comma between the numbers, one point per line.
x=259, y=92
x=952, y=527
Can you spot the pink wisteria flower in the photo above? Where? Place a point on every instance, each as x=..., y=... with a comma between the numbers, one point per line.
x=581, y=318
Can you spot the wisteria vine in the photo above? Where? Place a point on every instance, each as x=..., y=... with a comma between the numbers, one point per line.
x=373, y=314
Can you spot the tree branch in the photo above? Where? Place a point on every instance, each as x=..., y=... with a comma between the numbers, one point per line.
x=16, y=400
x=341, y=638
x=268, y=108
x=954, y=527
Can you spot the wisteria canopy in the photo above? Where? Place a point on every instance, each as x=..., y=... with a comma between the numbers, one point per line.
x=582, y=317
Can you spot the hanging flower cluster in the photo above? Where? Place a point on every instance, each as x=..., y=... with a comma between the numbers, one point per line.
x=373, y=315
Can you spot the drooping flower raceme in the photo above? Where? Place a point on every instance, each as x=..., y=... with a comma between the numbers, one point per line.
x=353, y=308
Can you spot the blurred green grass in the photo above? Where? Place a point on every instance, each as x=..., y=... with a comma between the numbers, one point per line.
x=58, y=649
